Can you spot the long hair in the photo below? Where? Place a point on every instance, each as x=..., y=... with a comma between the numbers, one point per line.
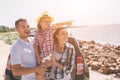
x=55, y=34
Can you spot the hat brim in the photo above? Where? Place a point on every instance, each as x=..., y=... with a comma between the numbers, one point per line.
x=38, y=19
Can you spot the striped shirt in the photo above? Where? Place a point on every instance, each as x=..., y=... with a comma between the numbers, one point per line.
x=67, y=59
x=44, y=40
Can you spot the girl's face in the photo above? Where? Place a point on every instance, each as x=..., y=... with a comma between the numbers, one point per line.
x=45, y=22
x=62, y=36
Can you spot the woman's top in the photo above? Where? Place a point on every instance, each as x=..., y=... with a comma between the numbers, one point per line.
x=67, y=59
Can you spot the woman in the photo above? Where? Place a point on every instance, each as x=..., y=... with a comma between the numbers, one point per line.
x=63, y=56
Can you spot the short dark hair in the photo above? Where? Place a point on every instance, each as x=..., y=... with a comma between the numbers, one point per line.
x=20, y=19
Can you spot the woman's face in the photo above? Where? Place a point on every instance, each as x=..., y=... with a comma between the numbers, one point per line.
x=62, y=36
x=45, y=22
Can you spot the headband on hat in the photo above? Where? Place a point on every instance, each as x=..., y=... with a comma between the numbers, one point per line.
x=44, y=14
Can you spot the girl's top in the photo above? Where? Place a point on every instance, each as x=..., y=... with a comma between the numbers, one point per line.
x=44, y=40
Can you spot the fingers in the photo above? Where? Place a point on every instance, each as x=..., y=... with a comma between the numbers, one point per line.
x=49, y=63
x=69, y=23
x=41, y=69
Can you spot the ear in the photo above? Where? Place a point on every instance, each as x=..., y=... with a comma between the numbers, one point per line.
x=17, y=29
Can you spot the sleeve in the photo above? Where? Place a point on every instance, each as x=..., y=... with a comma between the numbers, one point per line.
x=73, y=59
x=15, y=56
x=69, y=68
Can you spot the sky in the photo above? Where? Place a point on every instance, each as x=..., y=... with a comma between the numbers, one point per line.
x=83, y=12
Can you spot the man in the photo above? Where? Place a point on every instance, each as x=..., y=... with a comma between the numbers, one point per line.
x=23, y=58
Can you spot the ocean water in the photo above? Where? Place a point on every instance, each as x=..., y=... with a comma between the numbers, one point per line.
x=102, y=34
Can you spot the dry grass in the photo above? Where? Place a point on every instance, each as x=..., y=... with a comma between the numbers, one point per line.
x=8, y=37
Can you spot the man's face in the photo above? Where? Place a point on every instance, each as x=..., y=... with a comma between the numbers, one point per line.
x=23, y=29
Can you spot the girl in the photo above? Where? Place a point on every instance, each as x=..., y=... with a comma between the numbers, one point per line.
x=44, y=37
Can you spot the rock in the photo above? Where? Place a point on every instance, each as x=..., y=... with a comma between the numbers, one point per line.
x=104, y=58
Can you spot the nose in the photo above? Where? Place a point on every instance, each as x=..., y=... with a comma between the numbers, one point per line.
x=27, y=27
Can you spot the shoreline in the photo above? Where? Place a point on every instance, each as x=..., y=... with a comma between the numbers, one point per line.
x=4, y=52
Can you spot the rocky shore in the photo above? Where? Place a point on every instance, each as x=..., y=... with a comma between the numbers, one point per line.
x=94, y=54
x=104, y=58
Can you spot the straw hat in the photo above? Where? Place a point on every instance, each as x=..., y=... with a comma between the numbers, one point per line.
x=44, y=14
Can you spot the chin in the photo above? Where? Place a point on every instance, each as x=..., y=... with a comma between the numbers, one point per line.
x=26, y=35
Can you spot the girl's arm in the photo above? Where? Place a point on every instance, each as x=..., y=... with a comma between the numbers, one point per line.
x=61, y=24
x=37, y=54
x=36, y=48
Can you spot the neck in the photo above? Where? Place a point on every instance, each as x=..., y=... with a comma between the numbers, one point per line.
x=59, y=47
x=44, y=29
x=25, y=39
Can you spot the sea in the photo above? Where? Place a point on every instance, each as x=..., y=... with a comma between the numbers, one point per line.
x=105, y=34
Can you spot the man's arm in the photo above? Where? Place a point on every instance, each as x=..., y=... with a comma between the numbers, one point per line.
x=18, y=70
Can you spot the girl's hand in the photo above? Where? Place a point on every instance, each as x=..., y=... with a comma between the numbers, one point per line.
x=53, y=58
x=48, y=63
x=69, y=23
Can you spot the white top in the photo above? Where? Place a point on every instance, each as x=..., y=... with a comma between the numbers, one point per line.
x=23, y=53
x=52, y=75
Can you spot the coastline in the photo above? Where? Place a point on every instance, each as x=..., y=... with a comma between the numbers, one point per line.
x=100, y=34
x=4, y=51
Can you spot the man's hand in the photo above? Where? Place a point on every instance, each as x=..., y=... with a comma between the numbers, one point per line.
x=41, y=69
x=40, y=75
